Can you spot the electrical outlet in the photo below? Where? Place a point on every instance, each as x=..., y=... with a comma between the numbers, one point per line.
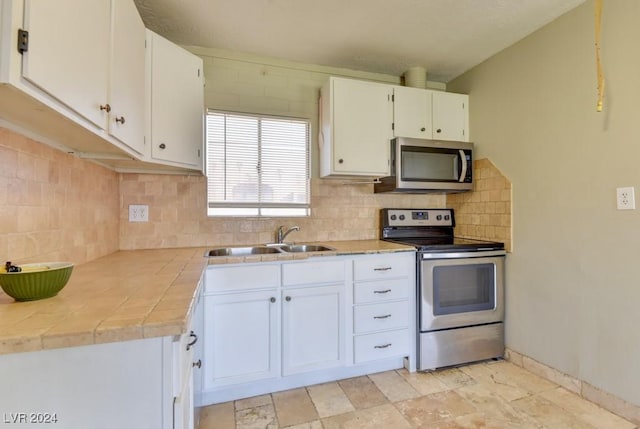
x=626, y=199
x=138, y=213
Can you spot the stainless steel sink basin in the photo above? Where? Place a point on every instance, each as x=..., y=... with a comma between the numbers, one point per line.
x=268, y=249
x=295, y=248
x=242, y=251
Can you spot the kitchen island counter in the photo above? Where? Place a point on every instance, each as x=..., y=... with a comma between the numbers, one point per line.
x=130, y=295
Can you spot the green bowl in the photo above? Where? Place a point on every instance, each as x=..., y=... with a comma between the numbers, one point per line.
x=36, y=281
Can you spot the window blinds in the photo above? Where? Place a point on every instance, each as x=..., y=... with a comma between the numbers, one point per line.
x=257, y=165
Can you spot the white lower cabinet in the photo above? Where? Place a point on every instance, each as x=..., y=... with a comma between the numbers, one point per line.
x=183, y=381
x=241, y=342
x=312, y=328
x=126, y=385
x=384, y=307
x=381, y=345
x=279, y=325
x=187, y=358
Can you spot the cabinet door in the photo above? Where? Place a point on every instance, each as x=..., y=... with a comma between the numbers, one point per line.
x=127, y=89
x=198, y=349
x=183, y=406
x=313, y=328
x=68, y=55
x=362, y=116
x=450, y=116
x=242, y=340
x=412, y=112
x=177, y=103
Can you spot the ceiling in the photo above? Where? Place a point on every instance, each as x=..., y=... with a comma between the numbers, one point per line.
x=446, y=37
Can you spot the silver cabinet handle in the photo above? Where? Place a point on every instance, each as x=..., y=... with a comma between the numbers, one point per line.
x=382, y=269
x=198, y=364
x=384, y=346
x=386, y=316
x=382, y=291
x=193, y=341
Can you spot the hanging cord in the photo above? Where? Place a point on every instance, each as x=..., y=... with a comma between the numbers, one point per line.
x=598, y=16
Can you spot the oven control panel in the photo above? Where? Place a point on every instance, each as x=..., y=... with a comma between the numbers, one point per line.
x=417, y=217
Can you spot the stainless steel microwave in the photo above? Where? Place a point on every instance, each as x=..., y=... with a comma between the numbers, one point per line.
x=422, y=166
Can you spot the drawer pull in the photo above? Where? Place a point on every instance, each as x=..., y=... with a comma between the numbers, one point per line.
x=382, y=269
x=384, y=346
x=382, y=291
x=198, y=364
x=193, y=341
x=386, y=316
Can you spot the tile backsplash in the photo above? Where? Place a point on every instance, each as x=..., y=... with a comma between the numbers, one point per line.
x=56, y=206
x=485, y=213
x=53, y=205
x=178, y=214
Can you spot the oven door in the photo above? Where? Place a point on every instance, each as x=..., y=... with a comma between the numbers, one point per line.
x=461, y=289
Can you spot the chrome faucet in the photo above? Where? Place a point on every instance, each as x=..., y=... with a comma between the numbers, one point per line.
x=281, y=234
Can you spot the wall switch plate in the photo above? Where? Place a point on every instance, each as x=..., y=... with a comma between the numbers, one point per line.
x=138, y=213
x=626, y=199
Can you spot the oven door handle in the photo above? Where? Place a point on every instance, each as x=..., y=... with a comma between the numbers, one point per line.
x=452, y=255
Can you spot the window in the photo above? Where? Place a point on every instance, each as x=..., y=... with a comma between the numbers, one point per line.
x=257, y=165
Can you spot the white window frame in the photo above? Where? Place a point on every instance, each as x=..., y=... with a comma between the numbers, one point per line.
x=225, y=206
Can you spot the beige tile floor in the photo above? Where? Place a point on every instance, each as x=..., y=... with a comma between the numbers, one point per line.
x=487, y=395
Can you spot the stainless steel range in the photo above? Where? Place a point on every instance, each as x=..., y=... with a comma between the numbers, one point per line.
x=460, y=287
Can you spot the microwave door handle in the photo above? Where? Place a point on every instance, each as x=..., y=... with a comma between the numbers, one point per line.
x=463, y=170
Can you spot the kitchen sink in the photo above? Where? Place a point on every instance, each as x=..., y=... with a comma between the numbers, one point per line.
x=268, y=249
x=296, y=248
x=242, y=251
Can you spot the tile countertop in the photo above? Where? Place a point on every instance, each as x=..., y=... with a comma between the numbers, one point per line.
x=130, y=295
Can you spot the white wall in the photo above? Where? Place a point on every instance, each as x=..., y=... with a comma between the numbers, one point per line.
x=573, y=279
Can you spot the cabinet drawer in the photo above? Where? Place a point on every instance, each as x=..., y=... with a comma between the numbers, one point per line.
x=381, y=290
x=381, y=345
x=240, y=277
x=313, y=273
x=386, y=266
x=376, y=317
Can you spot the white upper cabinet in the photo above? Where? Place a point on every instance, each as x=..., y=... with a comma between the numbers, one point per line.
x=78, y=81
x=177, y=103
x=359, y=118
x=356, y=118
x=427, y=114
x=412, y=113
x=450, y=114
x=94, y=65
x=127, y=89
x=68, y=53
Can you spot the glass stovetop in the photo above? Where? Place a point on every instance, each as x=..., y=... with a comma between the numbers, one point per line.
x=448, y=243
